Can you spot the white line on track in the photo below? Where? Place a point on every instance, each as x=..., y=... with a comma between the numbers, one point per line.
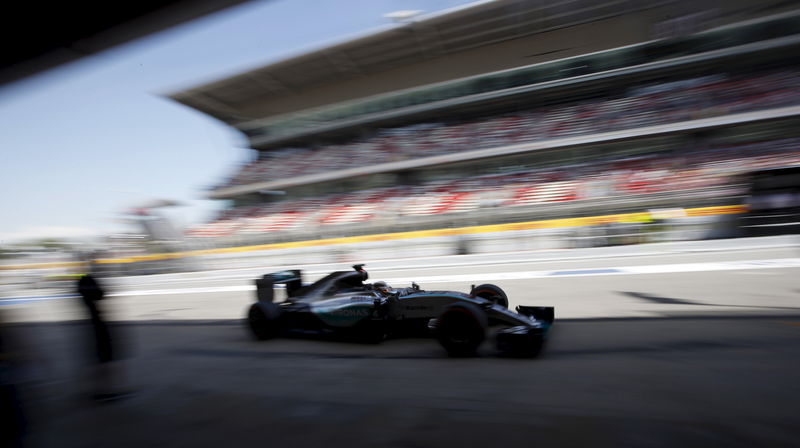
x=622, y=270
x=487, y=276
x=440, y=262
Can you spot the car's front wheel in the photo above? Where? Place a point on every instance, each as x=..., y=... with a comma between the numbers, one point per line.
x=461, y=329
x=492, y=293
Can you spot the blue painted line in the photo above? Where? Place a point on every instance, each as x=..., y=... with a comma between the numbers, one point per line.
x=586, y=272
x=18, y=300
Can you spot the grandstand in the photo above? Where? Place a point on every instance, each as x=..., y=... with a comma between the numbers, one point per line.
x=504, y=111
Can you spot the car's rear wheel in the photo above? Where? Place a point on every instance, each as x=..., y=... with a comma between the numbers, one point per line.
x=461, y=329
x=262, y=319
x=492, y=293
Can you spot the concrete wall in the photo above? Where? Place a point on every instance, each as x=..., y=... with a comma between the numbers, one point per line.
x=677, y=229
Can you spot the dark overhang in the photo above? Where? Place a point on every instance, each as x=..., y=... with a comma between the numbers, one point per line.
x=40, y=35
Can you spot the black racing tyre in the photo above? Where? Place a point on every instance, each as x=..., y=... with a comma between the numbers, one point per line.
x=461, y=328
x=493, y=293
x=262, y=319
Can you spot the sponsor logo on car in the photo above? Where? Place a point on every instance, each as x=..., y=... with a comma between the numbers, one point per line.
x=351, y=312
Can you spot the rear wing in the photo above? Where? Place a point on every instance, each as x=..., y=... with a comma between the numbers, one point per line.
x=293, y=279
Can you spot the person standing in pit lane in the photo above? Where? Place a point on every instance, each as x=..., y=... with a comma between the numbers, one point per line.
x=106, y=372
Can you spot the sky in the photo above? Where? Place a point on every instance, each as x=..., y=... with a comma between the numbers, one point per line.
x=84, y=142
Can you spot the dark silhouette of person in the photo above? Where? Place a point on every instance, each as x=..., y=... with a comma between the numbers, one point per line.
x=91, y=293
x=12, y=416
x=105, y=351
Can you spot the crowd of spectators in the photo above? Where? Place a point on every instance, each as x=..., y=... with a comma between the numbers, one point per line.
x=670, y=171
x=646, y=105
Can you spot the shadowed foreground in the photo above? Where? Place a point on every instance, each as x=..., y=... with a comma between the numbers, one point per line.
x=683, y=381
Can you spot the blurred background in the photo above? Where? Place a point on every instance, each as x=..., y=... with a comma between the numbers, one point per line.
x=192, y=146
x=229, y=131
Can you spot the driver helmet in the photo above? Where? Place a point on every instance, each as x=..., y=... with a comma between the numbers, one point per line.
x=381, y=286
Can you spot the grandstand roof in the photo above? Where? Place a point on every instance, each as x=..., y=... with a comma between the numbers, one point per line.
x=427, y=37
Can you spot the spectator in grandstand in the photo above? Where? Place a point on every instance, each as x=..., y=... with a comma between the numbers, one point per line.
x=642, y=106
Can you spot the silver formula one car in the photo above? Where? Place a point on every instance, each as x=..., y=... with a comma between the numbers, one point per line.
x=341, y=303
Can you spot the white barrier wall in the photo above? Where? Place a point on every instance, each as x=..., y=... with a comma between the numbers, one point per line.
x=679, y=229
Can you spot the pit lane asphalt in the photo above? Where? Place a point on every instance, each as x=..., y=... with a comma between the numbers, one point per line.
x=680, y=381
x=672, y=359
